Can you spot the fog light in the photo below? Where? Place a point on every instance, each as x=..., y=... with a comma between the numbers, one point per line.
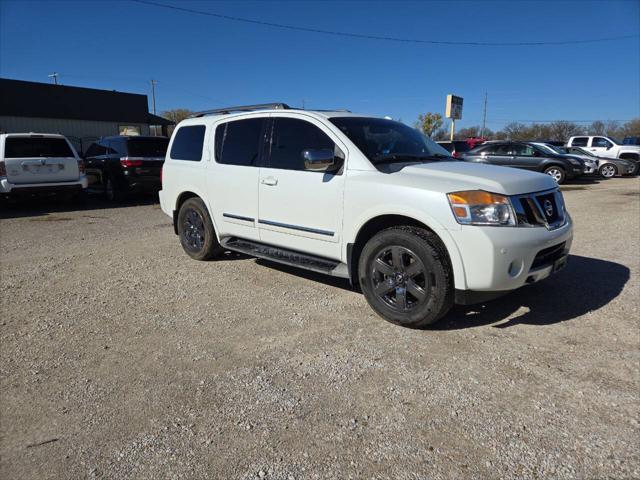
x=515, y=268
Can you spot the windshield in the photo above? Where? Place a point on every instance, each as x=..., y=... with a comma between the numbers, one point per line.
x=546, y=148
x=582, y=151
x=386, y=140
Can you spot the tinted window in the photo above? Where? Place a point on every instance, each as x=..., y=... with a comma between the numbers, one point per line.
x=25, y=147
x=579, y=142
x=461, y=146
x=448, y=146
x=187, y=143
x=290, y=138
x=95, y=150
x=238, y=143
x=522, y=150
x=149, y=147
x=600, y=142
x=498, y=149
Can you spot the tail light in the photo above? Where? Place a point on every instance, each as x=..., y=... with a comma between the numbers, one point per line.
x=81, y=167
x=127, y=162
x=3, y=169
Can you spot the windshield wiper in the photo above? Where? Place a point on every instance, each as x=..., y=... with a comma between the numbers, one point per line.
x=404, y=157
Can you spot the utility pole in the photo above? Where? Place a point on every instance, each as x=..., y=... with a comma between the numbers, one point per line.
x=153, y=94
x=54, y=75
x=484, y=116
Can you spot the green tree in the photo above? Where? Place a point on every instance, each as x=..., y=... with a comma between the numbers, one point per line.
x=429, y=123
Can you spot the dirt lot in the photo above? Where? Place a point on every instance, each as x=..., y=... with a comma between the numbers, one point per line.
x=122, y=358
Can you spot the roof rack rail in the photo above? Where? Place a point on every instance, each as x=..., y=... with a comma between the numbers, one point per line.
x=242, y=108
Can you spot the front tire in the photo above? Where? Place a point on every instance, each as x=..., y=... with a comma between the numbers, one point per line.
x=557, y=173
x=195, y=228
x=406, y=277
x=608, y=170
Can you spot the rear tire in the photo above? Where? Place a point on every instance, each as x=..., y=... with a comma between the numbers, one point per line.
x=608, y=170
x=195, y=228
x=557, y=173
x=406, y=276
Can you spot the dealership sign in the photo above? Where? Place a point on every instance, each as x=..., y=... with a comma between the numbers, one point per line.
x=454, y=107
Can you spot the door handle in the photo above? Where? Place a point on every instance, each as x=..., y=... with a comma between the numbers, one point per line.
x=269, y=181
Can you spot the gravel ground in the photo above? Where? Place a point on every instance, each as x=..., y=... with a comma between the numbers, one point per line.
x=122, y=358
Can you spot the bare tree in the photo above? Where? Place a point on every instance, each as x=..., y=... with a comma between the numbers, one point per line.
x=562, y=130
x=177, y=114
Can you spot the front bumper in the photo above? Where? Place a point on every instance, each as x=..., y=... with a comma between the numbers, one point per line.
x=8, y=188
x=500, y=259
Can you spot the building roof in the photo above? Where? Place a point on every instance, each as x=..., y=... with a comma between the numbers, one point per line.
x=45, y=100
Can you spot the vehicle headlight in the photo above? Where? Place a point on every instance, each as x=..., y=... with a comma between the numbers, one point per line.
x=477, y=207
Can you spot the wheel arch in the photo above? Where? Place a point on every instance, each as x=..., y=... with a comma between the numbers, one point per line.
x=383, y=221
x=183, y=197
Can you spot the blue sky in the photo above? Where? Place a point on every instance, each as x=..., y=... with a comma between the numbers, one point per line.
x=203, y=62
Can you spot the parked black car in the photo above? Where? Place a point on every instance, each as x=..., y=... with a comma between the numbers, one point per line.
x=527, y=156
x=124, y=164
x=456, y=148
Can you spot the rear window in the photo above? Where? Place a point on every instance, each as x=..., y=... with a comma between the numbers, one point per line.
x=188, y=142
x=580, y=142
x=462, y=146
x=147, y=147
x=27, y=147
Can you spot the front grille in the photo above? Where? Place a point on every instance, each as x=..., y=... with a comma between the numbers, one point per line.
x=548, y=256
x=540, y=209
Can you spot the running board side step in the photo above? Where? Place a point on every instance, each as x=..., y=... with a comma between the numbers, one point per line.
x=287, y=257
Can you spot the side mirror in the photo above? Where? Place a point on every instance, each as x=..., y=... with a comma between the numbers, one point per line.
x=318, y=160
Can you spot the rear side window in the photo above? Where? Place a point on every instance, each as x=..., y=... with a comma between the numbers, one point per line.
x=498, y=149
x=238, y=142
x=290, y=138
x=148, y=147
x=580, y=142
x=27, y=147
x=187, y=143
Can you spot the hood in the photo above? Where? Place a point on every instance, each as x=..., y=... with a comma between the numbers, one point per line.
x=455, y=176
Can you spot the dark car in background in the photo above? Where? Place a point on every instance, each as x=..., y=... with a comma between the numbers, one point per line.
x=126, y=164
x=631, y=141
x=526, y=156
x=455, y=148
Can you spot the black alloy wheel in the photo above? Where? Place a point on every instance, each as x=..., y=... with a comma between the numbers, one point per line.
x=399, y=278
x=406, y=276
x=195, y=228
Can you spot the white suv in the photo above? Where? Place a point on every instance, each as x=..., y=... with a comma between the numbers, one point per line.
x=368, y=199
x=39, y=162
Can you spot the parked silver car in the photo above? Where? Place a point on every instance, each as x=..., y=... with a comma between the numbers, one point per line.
x=607, y=167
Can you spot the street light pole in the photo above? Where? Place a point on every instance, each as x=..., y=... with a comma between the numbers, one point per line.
x=153, y=94
x=484, y=116
x=54, y=75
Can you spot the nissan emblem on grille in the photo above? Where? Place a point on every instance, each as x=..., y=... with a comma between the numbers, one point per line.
x=548, y=208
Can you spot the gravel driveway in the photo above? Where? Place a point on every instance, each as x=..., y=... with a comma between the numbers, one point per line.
x=122, y=358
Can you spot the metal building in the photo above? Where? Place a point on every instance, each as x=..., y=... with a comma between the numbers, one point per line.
x=81, y=114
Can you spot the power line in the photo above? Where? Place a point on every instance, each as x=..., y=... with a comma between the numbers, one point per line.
x=378, y=37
